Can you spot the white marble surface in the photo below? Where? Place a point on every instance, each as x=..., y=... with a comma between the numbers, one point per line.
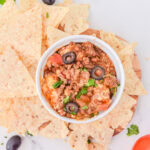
x=130, y=20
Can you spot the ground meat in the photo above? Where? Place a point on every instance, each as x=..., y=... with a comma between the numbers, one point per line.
x=76, y=76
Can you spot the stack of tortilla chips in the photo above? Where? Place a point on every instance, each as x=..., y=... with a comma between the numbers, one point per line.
x=26, y=31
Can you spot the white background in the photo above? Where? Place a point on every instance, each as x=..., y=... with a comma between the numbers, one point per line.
x=129, y=19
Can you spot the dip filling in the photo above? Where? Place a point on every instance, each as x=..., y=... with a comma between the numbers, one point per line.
x=79, y=81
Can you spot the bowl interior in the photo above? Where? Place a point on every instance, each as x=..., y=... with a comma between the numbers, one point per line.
x=99, y=43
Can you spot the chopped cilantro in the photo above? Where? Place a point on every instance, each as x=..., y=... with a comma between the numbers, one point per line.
x=89, y=141
x=113, y=90
x=73, y=113
x=47, y=15
x=83, y=91
x=2, y=2
x=66, y=99
x=133, y=130
x=57, y=84
x=84, y=69
x=65, y=109
x=84, y=107
x=91, y=82
x=118, y=84
x=28, y=133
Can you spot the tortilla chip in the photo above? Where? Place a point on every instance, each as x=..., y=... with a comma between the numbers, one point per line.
x=99, y=132
x=21, y=34
x=29, y=114
x=68, y=1
x=76, y=20
x=133, y=85
x=15, y=80
x=53, y=35
x=8, y=11
x=26, y=4
x=53, y=15
x=111, y=39
x=96, y=146
x=124, y=109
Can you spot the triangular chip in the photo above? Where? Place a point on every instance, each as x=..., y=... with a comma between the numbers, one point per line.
x=76, y=20
x=53, y=15
x=8, y=11
x=97, y=131
x=125, y=111
x=133, y=85
x=29, y=114
x=53, y=35
x=26, y=4
x=111, y=39
x=24, y=35
x=15, y=80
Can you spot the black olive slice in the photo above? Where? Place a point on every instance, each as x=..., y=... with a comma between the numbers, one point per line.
x=13, y=143
x=72, y=108
x=49, y=2
x=69, y=58
x=97, y=73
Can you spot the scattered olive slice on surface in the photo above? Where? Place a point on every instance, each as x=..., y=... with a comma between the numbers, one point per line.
x=69, y=58
x=13, y=143
x=49, y=2
x=97, y=73
x=72, y=108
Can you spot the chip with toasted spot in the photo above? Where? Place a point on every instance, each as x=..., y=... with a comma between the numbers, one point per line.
x=8, y=11
x=15, y=80
x=25, y=5
x=28, y=114
x=53, y=35
x=98, y=132
x=21, y=34
x=76, y=20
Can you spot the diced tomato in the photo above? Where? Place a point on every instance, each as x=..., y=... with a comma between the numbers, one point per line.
x=143, y=143
x=104, y=106
x=56, y=59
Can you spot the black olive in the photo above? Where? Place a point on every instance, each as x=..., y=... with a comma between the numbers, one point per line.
x=72, y=108
x=49, y=2
x=69, y=58
x=97, y=73
x=13, y=143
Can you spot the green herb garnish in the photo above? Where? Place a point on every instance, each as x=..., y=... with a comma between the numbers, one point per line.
x=2, y=143
x=66, y=99
x=73, y=113
x=28, y=133
x=5, y=137
x=118, y=84
x=91, y=82
x=57, y=84
x=83, y=91
x=47, y=15
x=84, y=69
x=2, y=2
x=133, y=130
x=89, y=141
x=84, y=107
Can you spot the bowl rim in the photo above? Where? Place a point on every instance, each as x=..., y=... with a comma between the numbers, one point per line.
x=52, y=49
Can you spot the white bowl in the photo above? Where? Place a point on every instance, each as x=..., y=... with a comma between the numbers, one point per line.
x=99, y=43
